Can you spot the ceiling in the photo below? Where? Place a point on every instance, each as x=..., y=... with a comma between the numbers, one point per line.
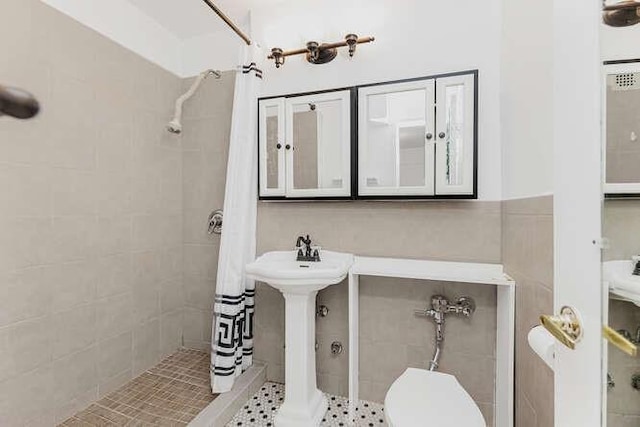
x=192, y=18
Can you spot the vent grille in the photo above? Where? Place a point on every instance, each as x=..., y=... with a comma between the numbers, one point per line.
x=624, y=81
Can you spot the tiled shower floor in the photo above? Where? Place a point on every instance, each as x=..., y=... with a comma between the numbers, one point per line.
x=171, y=393
x=262, y=406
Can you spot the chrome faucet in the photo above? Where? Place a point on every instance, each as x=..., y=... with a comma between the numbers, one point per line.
x=306, y=252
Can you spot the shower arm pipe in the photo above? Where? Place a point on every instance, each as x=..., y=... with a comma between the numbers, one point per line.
x=324, y=46
x=175, y=124
x=228, y=21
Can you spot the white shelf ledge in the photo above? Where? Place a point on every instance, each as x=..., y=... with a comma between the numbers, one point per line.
x=445, y=271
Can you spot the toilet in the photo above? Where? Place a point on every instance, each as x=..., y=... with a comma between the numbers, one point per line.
x=425, y=398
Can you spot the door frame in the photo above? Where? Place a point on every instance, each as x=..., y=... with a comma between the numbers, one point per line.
x=578, y=206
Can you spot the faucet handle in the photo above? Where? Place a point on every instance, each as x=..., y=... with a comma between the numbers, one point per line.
x=315, y=251
x=636, y=265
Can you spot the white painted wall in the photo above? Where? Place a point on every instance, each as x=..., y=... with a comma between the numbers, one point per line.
x=127, y=25
x=527, y=98
x=619, y=43
x=219, y=50
x=413, y=38
x=124, y=23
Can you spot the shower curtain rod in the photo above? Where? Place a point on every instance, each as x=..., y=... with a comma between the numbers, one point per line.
x=228, y=21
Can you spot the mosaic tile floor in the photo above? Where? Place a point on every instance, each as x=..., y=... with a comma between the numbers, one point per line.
x=261, y=408
x=171, y=393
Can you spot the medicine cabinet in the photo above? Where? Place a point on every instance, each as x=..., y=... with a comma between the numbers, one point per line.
x=305, y=145
x=418, y=138
x=622, y=129
x=410, y=139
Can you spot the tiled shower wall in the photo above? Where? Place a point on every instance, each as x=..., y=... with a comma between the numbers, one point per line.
x=527, y=255
x=205, y=147
x=392, y=338
x=90, y=217
x=622, y=228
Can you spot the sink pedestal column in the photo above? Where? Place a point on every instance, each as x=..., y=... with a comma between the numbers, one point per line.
x=304, y=404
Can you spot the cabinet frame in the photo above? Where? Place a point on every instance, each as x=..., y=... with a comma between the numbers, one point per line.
x=280, y=191
x=354, y=161
x=441, y=187
x=429, y=86
x=470, y=196
x=616, y=190
x=353, y=144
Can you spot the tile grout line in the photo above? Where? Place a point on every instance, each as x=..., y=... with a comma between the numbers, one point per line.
x=137, y=395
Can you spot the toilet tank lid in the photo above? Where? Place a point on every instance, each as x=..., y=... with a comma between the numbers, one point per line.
x=436, y=398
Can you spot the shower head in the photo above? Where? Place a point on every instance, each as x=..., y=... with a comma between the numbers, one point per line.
x=622, y=14
x=175, y=125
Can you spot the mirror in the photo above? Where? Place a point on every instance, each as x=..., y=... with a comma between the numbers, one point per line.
x=317, y=149
x=305, y=146
x=319, y=145
x=622, y=132
x=271, y=146
x=396, y=129
x=621, y=228
x=396, y=139
x=417, y=138
x=454, y=126
x=272, y=135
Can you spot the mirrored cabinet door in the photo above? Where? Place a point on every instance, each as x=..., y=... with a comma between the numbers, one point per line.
x=396, y=139
x=455, y=139
x=622, y=129
x=271, y=113
x=318, y=147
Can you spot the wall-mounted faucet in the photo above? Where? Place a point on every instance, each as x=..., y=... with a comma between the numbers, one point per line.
x=440, y=306
x=305, y=251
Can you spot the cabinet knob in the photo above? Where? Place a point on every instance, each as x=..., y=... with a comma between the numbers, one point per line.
x=288, y=147
x=429, y=136
x=441, y=135
x=278, y=146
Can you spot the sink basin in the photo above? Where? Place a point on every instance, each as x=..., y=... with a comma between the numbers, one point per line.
x=299, y=282
x=620, y=280
x=281, y=270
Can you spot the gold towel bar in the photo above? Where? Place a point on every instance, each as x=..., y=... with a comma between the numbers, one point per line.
x=619, y=341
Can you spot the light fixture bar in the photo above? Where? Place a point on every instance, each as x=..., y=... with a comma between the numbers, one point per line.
x=319, y=53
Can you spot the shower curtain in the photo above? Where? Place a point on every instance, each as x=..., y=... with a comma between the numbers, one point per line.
x=232, y=336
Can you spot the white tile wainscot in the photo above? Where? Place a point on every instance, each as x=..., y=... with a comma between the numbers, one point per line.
x=442, y=271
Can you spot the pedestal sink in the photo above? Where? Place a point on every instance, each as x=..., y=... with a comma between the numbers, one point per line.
x=618, y=276
x=299, y=282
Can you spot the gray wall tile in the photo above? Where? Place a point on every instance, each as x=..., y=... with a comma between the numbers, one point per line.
x=527, y=254
x=90, y=180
